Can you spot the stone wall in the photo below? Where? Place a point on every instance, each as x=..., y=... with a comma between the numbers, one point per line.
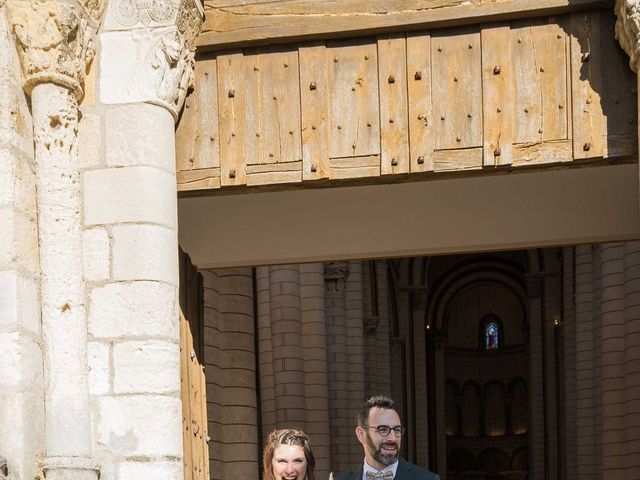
x=21, y=374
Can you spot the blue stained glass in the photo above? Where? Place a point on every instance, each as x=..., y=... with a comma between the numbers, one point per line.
x=491, y=337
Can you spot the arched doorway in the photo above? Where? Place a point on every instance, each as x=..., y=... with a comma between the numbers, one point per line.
x=478, y=364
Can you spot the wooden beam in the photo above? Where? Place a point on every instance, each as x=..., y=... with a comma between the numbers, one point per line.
x=253, y=22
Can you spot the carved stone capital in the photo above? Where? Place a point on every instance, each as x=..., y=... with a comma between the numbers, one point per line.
x=419, y=296
x=370, y=325
x=55, y=40
x=335, y=277
x=628, y=29
x=397, y=344
x=158, y=67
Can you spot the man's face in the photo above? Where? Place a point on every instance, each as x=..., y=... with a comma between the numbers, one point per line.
x=380, y=451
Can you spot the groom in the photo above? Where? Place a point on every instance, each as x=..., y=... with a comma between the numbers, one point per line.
x=379, y=430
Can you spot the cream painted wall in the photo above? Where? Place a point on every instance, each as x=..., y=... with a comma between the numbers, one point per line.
x=551, y=208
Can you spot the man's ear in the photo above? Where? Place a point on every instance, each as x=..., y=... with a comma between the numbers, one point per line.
x=361, y=434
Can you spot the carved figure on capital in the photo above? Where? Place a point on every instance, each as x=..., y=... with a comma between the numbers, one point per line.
x=55, y=40
x=628, y=29
x=175, y=64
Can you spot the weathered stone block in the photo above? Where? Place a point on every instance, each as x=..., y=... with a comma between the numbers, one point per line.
x=148, y=425
x=133, y=194
x=145, y=252
x=97, y=254
x=152, y=469
x=140, y=134
x=89, y=141
x=15, y=121
x=20, y=362
x=146, y=367
x=19, y=304
x=99, y=369
x=22, y=431
x=17, y=182
x=19, y=240
x=134, y=309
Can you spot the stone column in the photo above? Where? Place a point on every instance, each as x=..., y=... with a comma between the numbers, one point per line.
x=315, y=360
x=229, y=336
x=55, y=43
x=130, y=215
x=355, y=350
x=568, y=326
x=265, y=353
x=21, y=376
x=588, y=374
x=335, y=275
x=536, y=378
x=287, y=346
x=620, y=340
x=419, y=297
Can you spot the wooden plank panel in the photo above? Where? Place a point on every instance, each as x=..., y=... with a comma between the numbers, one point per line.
x=586, y=81
x=540, y=153
x=201, y=179
x=549, y=41
x=274, y=173
x=196, y=452
x=498, y=86
x=457, y=89
x=619, y=97
x=241, y=21
x=185, y=139
x=354, y=109
x=621, y=145
x=207, y=130
x=185, y=395
x=458, y=159
x=355, y=167
x=194, y=338
x=528, y=99
x=274, y=178
x=279, y=108
x=204, y=437
x=314, y=99
x=392, y=78
x=421, y=128
x=235, y=97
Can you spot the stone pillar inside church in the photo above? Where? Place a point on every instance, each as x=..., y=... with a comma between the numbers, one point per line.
x=230, y=369
x=337, y=357
x=21, y=372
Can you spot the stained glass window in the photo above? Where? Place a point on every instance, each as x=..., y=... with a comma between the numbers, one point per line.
x=491, y=336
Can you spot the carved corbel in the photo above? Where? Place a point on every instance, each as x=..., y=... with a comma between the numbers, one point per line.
x=335, y=277
x=178, y=77
x=628, y=29
x=55, y=40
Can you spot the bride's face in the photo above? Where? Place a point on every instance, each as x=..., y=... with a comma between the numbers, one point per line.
x=289, y=462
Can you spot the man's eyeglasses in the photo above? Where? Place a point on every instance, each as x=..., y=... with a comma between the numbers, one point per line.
x=385, y=430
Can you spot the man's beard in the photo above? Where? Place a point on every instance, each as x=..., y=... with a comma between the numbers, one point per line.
x=377, y=453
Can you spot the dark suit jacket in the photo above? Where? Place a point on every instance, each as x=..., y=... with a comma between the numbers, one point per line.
x=405, y=471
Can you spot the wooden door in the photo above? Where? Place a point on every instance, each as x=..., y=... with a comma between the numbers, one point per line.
x=192, y=377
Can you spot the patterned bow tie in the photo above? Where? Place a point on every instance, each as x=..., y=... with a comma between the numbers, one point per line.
x=388, y=475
